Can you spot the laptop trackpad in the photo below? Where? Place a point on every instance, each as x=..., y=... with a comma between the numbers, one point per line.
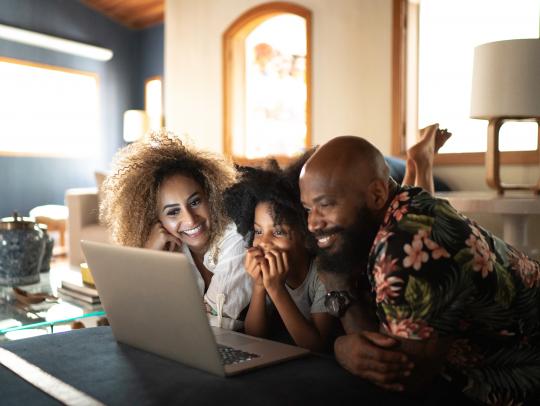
x=233, y=340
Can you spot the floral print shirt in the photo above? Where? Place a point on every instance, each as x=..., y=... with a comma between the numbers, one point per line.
x=435, y=272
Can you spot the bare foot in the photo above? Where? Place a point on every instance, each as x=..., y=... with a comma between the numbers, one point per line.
x=423, y=151
x=441, y=137
x=410, y=173
x=421, y=156
x=431, y=140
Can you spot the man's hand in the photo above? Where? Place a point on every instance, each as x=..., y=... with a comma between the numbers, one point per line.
x=160, y=239
x=367, y=355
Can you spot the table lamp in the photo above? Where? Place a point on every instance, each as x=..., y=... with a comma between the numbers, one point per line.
x=505, y=87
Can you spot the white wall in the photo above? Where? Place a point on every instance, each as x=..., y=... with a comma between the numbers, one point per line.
x=351, y=79
x=351, y=68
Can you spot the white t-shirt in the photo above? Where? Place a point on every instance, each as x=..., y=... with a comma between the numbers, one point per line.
x=230, y=289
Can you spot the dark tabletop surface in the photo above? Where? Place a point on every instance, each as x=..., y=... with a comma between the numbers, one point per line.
x=116, y=374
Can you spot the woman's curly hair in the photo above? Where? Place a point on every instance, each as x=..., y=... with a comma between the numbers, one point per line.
x=129, y=204
x=272, y=185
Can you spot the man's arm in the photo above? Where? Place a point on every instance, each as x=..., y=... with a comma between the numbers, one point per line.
x=358, y=316
x=364, y=351
x=368, y=351
x=428, y=357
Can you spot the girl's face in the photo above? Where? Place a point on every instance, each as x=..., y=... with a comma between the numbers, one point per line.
x=184, y=212
x=268, y=235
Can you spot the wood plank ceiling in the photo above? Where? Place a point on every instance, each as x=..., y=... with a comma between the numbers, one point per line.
x=134, y=14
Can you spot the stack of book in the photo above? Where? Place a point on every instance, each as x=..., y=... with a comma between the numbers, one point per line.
x=84, y=293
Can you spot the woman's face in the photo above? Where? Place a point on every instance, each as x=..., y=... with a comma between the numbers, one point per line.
x=184, y=212
x=268, y=235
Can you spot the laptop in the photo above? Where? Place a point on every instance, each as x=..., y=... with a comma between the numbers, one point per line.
x=153, y=303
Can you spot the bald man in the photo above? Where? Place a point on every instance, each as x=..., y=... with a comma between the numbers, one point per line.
x=419, y=288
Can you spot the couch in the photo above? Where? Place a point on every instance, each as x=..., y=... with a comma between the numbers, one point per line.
x=83, y=222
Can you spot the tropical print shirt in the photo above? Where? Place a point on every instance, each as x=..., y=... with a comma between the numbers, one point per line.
x=435, y=272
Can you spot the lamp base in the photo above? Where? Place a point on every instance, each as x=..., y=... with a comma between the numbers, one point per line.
x=493, y=161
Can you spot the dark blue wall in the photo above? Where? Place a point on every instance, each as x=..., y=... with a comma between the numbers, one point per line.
x=28, y=182
x=151, y=56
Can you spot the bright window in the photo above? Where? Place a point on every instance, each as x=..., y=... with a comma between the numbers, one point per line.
x=448, y=31
x=153, y=103
x=47, y=111
x=276, y=91
x=267, y=83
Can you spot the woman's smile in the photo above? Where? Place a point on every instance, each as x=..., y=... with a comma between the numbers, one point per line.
x=184, y=211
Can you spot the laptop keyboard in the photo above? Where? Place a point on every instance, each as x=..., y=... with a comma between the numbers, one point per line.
x=231, y=356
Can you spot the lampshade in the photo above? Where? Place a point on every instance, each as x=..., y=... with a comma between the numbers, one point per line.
x=506, y=79
x=135, y=125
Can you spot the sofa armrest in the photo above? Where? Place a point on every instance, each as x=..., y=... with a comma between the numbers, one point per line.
x=82, y=204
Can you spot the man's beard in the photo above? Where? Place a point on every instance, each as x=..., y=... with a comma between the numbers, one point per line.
x=355, y=244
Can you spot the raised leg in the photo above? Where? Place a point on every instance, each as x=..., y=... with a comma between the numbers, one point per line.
x=421, y=155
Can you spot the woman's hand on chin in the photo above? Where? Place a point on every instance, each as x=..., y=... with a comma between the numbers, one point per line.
x=160, y=239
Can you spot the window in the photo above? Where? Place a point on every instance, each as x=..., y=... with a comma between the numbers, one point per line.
x=436, y=57
x=47, y=111
x=267, y=82
x=153, y=102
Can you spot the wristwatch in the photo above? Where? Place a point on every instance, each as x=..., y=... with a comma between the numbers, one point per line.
x=337, y=302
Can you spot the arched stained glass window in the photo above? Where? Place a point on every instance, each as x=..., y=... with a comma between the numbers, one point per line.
x=267, y=82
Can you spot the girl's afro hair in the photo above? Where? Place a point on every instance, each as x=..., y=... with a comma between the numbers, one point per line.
x=272, y=185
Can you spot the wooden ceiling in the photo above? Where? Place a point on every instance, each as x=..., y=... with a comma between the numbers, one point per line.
x=134, y=14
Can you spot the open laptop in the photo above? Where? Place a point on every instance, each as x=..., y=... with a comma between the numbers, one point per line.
x=153, y=303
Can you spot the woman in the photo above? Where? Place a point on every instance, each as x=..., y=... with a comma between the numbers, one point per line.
x=166, y=195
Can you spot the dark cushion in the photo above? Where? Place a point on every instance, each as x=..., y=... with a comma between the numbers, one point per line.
x=397, y=171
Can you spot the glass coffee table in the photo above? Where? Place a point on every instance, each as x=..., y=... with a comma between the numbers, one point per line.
x=19, y=320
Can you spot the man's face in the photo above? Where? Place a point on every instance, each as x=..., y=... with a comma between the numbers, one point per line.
x=338, y=217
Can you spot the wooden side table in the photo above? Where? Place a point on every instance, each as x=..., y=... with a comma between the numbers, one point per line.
x=55, y=217
x=515, y=209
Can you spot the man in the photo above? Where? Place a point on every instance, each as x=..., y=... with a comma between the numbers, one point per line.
x=444, y=296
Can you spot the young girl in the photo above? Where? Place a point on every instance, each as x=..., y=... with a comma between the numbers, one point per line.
x=166, y=195
x=265, y=205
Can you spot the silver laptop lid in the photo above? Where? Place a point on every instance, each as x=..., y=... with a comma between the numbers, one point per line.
x=149, y=296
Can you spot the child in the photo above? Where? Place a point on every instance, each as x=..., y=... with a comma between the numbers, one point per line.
x=266, y=207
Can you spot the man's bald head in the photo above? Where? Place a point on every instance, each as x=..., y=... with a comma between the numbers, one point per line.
x=344, y=187
x=351, y=160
